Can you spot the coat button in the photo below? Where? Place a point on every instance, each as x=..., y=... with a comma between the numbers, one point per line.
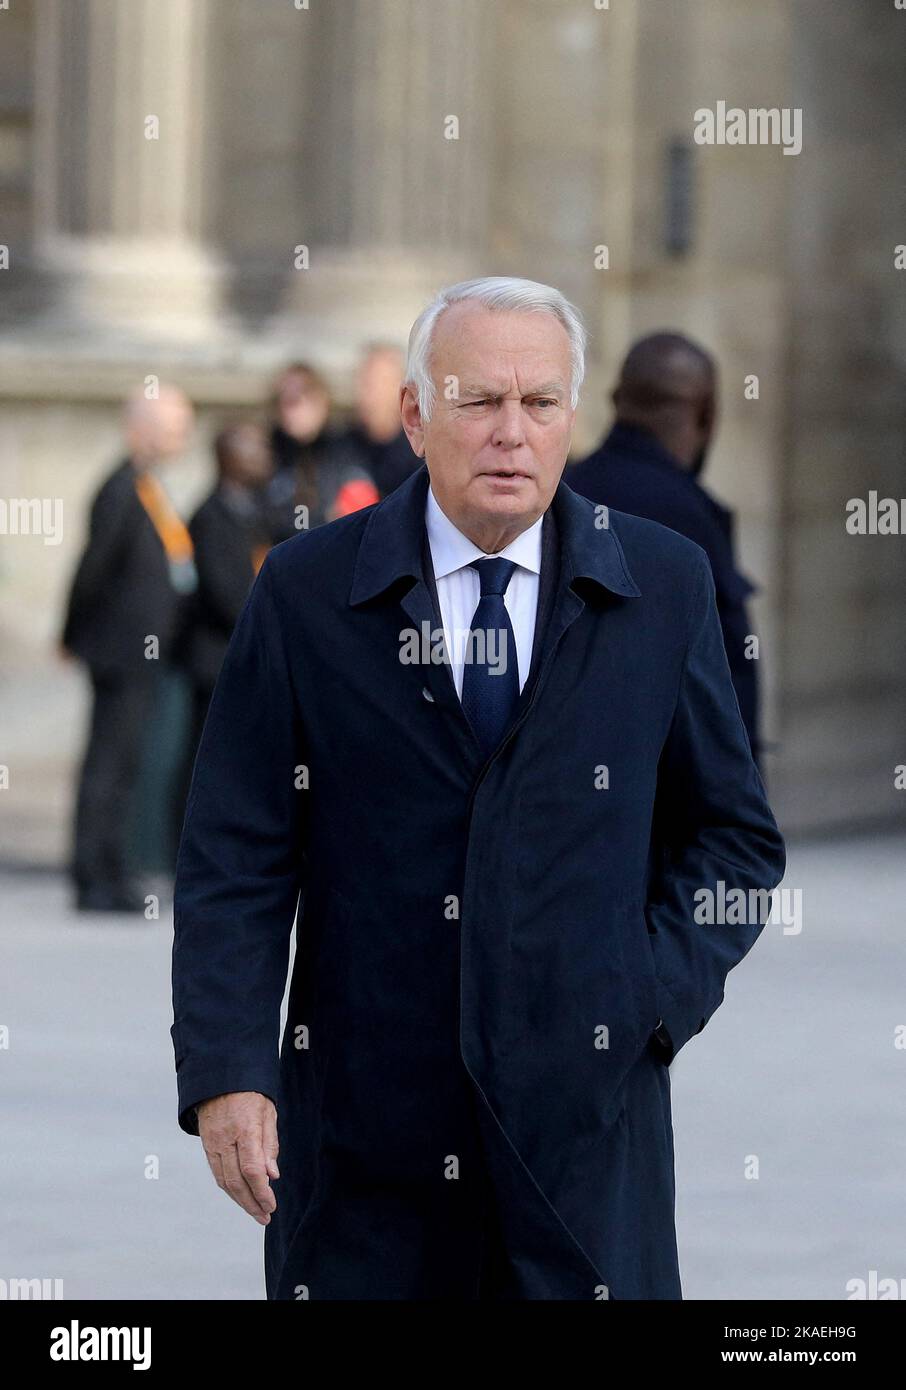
x=427, y=694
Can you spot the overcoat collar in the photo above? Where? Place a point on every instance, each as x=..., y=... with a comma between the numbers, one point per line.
x=392, y=543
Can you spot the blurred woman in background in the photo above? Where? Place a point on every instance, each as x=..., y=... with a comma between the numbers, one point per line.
x=316, y=477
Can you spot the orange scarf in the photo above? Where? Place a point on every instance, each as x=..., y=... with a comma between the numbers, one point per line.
x=165, y=519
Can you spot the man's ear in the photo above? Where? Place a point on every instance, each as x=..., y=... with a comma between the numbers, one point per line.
x=411, y=418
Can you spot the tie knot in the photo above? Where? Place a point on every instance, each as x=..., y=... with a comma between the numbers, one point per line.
x=494, y=574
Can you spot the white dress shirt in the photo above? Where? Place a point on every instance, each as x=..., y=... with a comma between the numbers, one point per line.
x=459, y=587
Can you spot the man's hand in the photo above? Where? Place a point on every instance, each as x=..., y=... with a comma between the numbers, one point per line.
x=239, y=1134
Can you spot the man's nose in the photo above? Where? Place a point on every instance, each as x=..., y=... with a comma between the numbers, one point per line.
x=509, y=428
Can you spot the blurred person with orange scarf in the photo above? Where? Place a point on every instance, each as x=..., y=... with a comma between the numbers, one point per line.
x=121, y=619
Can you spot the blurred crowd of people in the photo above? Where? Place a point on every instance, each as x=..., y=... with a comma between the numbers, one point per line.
x=153, y=594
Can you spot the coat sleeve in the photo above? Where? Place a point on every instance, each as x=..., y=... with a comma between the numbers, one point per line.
x=239, y=869
x=713, y=824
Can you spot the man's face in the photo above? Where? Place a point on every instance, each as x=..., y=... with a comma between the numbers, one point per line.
x=499, y=433
x=378, y=391
x=173, y=427
x=159, y=430
x=249, y=460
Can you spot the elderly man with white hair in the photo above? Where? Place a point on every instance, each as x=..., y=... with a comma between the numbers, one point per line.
x=477, y=746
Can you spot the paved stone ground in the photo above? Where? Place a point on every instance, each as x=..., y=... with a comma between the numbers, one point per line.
x=798, y=1069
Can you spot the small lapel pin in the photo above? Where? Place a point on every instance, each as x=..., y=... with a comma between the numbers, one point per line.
x=427, y=694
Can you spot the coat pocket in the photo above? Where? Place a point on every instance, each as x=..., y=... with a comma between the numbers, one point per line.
x=640, y=967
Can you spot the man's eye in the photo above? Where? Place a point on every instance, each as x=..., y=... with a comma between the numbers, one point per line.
x=538, y=400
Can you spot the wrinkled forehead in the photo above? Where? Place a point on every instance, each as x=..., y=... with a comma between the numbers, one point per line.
x=475, y=341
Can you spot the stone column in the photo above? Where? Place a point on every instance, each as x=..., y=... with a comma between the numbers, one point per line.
x=397, y=181
x=120, y=167
x=563, y=171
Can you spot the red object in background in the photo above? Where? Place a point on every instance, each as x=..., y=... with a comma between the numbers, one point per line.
x=352, y=497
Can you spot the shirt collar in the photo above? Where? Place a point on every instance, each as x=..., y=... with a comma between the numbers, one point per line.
x=451, y=550
x=394, y=534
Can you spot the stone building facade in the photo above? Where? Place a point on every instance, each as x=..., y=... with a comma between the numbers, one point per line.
x=164, y=162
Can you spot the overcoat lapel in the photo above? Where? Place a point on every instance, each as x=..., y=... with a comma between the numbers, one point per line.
x=573, y=546
x=420, y=604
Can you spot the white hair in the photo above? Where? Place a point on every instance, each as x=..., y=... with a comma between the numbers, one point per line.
x=495, y=292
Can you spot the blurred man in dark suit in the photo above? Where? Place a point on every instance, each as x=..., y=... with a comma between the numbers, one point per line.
x=121, y=619
x=231, y=540
x=650, y=465
x=376, y=439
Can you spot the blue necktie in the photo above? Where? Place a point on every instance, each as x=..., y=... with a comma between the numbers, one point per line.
x=490, y=682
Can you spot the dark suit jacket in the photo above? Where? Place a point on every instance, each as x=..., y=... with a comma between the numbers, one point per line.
x=632, y=472
x=484, y=946
x=122, y=591
x=224, y=534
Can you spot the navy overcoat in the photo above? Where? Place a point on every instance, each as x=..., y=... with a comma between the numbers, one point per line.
x=484, y=947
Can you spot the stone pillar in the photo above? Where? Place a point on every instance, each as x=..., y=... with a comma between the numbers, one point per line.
x=120, y=167
x=844, y=621
x=724, y=280
x=563, y=185
x=396, y=196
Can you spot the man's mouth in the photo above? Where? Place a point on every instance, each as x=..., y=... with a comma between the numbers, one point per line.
x=505, y=473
